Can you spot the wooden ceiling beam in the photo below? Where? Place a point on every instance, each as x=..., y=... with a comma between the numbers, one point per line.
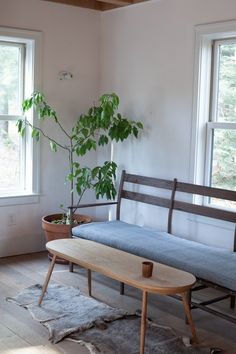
x=89, y=4
x=117, y=2
x=100, y=5
x=105, y=6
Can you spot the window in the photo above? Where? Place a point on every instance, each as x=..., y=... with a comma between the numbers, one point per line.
x=215, y=108
x=11, y=95
x=19, y=76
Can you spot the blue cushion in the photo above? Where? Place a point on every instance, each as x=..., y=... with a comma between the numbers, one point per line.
x=210, y=263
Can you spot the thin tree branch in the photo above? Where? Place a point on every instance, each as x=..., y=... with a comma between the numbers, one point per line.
x=46, y=136
x=56, y=119
x=64, y=131
x=81, y=196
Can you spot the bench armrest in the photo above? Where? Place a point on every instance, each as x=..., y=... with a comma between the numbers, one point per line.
x=92, y=205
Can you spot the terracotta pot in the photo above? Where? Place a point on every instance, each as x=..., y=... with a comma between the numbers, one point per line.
x=57, y=231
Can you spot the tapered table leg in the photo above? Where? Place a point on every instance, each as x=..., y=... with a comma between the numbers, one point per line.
x=89, y=282
x=187, y=310
x=45, y=285
x=143, y=322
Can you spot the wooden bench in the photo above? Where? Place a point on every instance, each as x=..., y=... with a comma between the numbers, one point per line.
x=220, y=265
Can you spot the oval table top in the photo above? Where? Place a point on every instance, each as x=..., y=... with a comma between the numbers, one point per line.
x=122, y=266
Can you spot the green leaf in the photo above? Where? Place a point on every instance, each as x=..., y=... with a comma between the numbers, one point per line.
x=53, y=146
x=27, y=104
x=116, y=100
x=95, y=171
x=103, y=140
x=93, y=144
x=135, y=132
x=85, y=132
x=38, y=97
x=70, y=177
x=35, y=134
x=76, y=164
x=22, y=132
x=139, y=125
x=19, y=124
x=78, y=188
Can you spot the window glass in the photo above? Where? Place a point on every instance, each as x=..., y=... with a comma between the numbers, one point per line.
x=11, y=94
x=224, y=159
x=11, y=84
x=10, y=157
x=227, y=83
x=221, y=142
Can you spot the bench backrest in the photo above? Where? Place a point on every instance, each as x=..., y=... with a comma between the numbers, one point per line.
x=172, y=203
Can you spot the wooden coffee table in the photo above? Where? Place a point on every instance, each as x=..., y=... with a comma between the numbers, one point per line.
x=126, y=268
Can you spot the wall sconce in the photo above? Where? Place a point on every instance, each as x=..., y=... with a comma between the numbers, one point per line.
x=65, y=75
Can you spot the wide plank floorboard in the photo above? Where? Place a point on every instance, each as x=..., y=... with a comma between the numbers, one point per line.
x=20, y=334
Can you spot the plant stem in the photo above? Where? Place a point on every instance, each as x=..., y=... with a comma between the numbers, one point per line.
x=46, y=136
x=64, y=131
x=56, y=119
x=81, y=196
x=71, y=158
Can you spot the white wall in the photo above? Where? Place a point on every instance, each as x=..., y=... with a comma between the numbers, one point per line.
x=147, y=57
x=70, y=42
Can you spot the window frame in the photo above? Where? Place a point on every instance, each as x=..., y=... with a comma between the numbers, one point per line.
x=32, y=40
x=203, y=122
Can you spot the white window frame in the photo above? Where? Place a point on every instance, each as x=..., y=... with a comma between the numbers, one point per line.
x=201, y=123
x=32, y=41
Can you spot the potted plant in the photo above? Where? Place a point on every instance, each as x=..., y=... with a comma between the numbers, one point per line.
x=97, y=128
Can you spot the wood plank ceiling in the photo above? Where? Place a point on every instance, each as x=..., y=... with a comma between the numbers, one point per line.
x=101, y=5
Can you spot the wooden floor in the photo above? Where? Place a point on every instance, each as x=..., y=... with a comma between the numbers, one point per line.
x=20, y=334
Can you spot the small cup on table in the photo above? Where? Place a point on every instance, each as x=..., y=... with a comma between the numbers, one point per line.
x=147, y=268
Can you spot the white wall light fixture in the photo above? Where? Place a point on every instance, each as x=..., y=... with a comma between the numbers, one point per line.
x=65, y=75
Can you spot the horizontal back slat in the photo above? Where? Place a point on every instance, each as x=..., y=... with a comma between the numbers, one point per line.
x=149, y=181
x=205, y=191
x=145, y=198
x=194, y=189
x=205, y=211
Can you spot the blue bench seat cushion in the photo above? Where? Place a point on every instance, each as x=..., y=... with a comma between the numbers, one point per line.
x=210, y=263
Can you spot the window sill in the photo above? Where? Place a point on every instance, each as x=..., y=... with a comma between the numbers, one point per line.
x=19, y=199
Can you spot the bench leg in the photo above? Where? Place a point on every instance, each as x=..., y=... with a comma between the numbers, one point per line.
x=71, y=267
x=232, y=301
x=89, y=282
x=45, y=285
x=189, y=316
x=122, y=288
